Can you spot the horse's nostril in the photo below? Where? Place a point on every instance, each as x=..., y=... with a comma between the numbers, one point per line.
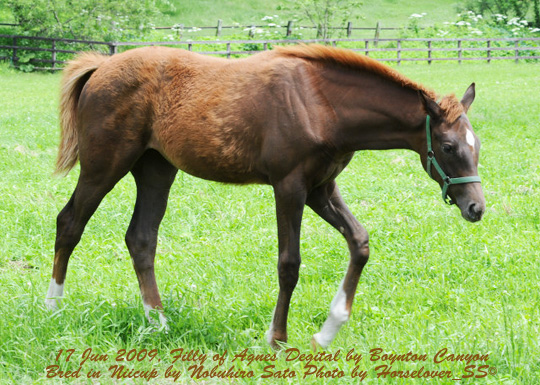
x=475, y=211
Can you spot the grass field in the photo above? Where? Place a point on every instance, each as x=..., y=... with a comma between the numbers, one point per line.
x=433, y=281
x=206, y=12
x=390, y=13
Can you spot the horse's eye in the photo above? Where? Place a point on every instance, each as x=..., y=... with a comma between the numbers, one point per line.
x=448, y=148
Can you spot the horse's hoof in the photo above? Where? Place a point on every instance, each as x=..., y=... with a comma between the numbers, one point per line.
x=277, y=345
x=275, y=339
x=160, y=325
x=314, y=344
x=159, y=329
x=51, y=304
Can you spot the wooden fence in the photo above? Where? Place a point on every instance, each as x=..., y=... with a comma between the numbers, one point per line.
x=51, y=54
x=288, y=29
x=42, y=53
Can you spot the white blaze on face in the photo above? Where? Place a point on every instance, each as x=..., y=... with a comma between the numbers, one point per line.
x=337, y=317
x=55, y=290
x=470, y=139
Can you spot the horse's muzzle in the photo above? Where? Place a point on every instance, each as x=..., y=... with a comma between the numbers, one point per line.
x=474, y=211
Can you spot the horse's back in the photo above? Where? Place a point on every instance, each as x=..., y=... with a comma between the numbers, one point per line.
x=208, y=116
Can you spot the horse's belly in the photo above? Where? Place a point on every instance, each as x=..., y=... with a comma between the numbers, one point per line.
x=220, y=173
x=212, y=157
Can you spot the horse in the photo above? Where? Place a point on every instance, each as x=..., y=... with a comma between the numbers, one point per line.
x=292, y=118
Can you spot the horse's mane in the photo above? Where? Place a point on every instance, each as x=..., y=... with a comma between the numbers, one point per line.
x=349, y=59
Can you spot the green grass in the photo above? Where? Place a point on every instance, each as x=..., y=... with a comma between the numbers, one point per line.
x=390, y=13
x=205, y=13
x=433, y=280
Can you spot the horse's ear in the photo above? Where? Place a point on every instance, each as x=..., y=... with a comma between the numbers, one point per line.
x=468, y=98
x=430, y=106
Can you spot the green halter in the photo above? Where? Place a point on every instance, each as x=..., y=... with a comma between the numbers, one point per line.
x=446, y=179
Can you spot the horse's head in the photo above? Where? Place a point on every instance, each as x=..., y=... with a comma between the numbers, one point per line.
x=451, y=152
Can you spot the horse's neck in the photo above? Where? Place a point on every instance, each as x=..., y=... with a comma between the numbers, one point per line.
x=373, y=113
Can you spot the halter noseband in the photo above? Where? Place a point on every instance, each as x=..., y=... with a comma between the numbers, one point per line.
x=446, y=179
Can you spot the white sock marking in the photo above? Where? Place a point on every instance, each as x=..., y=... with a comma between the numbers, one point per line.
x=55, y=290
x=163, y=321
x=337, y=317
x=162, y=318
x=270, y=332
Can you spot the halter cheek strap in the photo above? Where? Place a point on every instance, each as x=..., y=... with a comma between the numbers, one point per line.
x=431, y=161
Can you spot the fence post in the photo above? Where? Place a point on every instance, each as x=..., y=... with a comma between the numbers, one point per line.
x=399, y=52
x=228, y=50
x=489, y=51
x=377, y=33
x=53, y=54
x=180, y=31
x=516, y=49
x=349, y=29
x=429, y=51
x=190, y=47
x=113, y=49
x=289, y=27
x=218, y=28
x=460, y=52
x=367, y=47
x=14, y=57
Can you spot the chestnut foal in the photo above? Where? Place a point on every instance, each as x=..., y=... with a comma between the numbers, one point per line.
x=292, y=118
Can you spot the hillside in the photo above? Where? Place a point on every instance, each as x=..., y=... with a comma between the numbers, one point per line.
x=390, y=13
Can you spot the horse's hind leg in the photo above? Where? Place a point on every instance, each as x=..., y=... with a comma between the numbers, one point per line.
x=101, y=168
x=328, y=203
x=154, y=177
x=71, y=222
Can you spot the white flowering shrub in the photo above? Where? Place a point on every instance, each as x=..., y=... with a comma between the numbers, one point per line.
x=85, y=19
x=472, y=24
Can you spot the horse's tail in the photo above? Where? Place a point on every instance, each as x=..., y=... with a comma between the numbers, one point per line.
x=76, y=74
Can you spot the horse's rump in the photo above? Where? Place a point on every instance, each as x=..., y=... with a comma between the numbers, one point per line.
x=75, y=77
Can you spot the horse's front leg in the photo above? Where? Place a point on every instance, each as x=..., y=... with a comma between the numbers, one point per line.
x=327, y=202
x=290, y=197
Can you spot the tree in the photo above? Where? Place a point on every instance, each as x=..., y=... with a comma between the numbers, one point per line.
x=77, y=19
x=324, y=14
x=518, y=8
x=536, y=12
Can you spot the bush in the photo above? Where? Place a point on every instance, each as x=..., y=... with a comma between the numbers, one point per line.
x=473, y=25
x=84, y=19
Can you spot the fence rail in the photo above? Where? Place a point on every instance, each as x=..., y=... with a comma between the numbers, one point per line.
x=34, y=52
x=286, y=29
x=289, y=28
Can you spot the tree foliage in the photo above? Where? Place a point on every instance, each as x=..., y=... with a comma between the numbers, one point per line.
x=76, y=19
x=518, y=8
x=324, y=14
